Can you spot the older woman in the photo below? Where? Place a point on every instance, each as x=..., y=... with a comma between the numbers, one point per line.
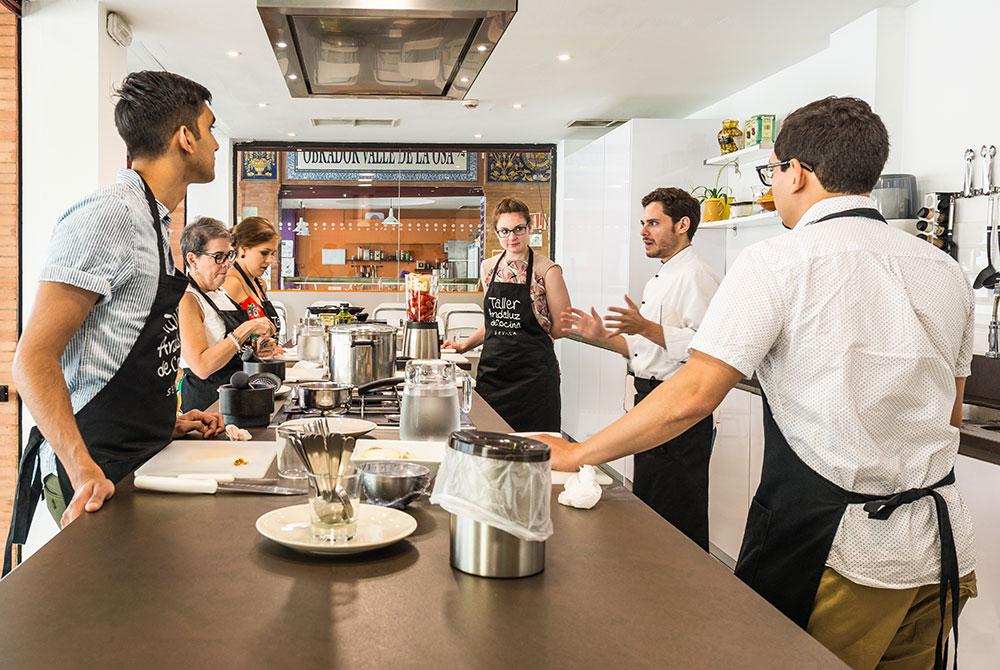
x=213, y=328
x=518, y=372
x=256, y=241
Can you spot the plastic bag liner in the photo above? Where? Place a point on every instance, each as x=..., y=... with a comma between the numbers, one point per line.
x=511, y=495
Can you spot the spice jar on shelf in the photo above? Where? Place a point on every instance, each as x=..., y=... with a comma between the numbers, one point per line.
x=730, y=137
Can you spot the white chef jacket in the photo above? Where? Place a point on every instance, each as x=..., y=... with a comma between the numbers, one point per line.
x=676, y=297
x=857, y=332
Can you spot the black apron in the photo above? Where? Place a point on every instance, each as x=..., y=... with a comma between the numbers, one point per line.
x=795, y=514
x=673, y=477
x=256, y=288
x=132, y=417
x=518, y=371
x=198, y=393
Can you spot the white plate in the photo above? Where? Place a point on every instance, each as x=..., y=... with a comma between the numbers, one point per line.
x=425, y=453
x=377, y=527
x=559, y=478
x=337, y=424
x=282, y=391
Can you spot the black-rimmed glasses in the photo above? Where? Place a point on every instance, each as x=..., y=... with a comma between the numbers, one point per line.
x=517, y=230
x=221, y=257
x=766, y=172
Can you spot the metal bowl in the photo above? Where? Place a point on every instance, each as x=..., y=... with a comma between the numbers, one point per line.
x=393, y=483
x=324, y=395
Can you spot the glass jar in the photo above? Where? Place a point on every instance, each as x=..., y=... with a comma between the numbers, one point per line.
x=430, y=409
x=730, y=137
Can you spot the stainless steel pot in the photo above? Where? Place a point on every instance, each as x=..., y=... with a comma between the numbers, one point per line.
x=324, y=395
x=362, y=352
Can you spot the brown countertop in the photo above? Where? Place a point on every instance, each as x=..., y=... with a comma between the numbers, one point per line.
x=976, y=442
x=165, y=581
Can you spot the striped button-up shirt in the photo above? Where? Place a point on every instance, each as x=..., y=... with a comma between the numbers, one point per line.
x=106, y=244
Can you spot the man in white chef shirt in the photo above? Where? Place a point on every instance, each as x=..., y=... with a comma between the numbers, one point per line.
x=654, y=336
x=861, y=337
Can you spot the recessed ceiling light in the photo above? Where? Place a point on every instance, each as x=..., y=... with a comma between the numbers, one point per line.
x=233, y=54
x=364, y=179
x=478, y=136
x=364, y=185
x=262, y=105
x=291, y=134
x=564, y=57
x=464, y=80
x=293, y=76
x=481, y=48
x=518, y=105
x=281, y=45
x=366, y=174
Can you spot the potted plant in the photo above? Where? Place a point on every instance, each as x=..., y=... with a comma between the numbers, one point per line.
x=716, y=199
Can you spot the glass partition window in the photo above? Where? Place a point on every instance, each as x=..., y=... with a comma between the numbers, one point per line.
x=361, y=220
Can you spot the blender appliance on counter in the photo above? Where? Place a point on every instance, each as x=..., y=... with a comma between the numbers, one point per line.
x=420, y=332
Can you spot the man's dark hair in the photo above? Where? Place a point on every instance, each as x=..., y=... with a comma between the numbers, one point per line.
x=842, y=139
x=152, y=105
x=677, y=203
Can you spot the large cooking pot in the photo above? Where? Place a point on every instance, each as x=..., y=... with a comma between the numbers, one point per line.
x=362, y=352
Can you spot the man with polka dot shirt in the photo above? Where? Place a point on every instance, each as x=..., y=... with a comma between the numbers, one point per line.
x=861, y=337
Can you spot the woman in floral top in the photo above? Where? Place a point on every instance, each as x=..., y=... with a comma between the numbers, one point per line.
x=518, y=370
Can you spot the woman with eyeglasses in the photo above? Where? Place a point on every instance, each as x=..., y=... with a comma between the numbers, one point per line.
x=518, y=371
x=256, y=241
x=214, y=330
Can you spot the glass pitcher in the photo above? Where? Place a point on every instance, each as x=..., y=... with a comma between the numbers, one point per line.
x=430, y=409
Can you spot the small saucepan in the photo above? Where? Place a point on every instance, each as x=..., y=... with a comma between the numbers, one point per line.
x=324, y=395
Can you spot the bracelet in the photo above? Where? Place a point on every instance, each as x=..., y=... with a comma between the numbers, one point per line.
x=235, y=340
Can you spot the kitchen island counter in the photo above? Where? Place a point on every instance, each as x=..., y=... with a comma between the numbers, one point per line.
x=165, y=581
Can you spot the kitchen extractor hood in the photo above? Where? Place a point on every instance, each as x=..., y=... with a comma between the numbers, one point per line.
x=383, y=48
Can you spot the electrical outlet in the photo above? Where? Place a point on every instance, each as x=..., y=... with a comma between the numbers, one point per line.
x=4, y=396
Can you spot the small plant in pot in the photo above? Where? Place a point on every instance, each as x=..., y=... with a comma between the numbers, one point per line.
x=716, y=199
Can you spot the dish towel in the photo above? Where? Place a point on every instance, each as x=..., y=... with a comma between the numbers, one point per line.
x=582, y=490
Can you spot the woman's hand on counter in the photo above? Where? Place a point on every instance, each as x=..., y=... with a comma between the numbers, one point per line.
x=565, y=455
x=90, y=492
x=209, y=424
x=452, y=344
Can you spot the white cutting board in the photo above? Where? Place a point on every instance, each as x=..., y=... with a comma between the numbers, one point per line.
x=182, y=457
x=559, y=478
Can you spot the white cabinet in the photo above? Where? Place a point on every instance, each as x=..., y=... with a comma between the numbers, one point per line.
x=729, y=474
x=734, y=472
x=599, y=248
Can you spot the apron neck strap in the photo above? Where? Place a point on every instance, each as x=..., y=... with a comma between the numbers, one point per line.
x=154, y=211
x=253, y=285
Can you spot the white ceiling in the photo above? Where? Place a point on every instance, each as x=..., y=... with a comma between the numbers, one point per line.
x=630, y=59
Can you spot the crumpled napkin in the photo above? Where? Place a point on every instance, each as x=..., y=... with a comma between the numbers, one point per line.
x=237, y=434
x=582, y=490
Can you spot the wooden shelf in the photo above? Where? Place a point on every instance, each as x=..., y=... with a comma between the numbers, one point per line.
x=747, y=155
x=761, y=219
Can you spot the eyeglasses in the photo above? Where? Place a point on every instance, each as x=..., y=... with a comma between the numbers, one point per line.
x=766, y=172
x=517, y=230
x=221, y=257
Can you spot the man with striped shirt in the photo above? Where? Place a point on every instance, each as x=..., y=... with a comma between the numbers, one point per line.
x=96, y=363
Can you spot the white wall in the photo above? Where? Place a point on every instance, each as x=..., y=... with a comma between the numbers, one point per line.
x=69, y=148
x=216, y=197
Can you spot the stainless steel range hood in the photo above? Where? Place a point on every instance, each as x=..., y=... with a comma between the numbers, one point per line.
x=383, y=48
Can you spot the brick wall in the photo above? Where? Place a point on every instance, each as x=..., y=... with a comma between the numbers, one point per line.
x=9, y=271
